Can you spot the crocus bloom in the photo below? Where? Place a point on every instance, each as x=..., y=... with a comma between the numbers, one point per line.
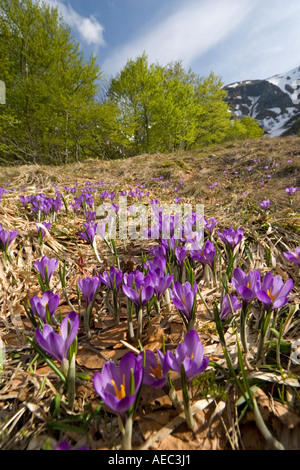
x=40, y=230
x=291, y=190
x=6, y=238
x=226, y=309
x=265, y=204
x=231, y=237
x=57, y=345
x=39, y=305
x=158, y=250
x=143, y=293
x=90, y=232
x=246, y=285
x=274, y=293
x=293, y=256
x=205, y=255
x=42, y=264
x=113, y=279
x=180, y=254
x=64, y=445
x=88, y=287
x=210, y=224
x=183, y=297
x=114, y=386
x=158, y=265
x=190, y=353
x=156, y=370
x=160, y=282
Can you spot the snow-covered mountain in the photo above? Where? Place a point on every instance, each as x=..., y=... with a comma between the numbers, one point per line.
x=273, y=102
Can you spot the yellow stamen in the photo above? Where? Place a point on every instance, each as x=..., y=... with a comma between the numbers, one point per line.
x=119, y=393
x=269, y=292
x=183, y=299
x=157, y=372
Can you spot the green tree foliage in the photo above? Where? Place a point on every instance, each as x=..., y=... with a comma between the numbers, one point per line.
x=59, y=110
x=244, y=128
x=51, y=109
x=167, y=109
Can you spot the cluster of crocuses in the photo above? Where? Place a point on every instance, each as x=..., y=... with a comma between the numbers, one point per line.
x=42, y=205
x=54, y=336
x=6, y=238
x=119, y=387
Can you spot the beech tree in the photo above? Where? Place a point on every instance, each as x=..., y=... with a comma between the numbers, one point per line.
x=50, y=87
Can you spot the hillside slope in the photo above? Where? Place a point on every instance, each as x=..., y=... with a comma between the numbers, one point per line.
x=230, y=181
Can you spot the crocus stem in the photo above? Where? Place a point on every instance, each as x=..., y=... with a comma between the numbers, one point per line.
x=67, y=299
x=140, y=323
x=243, y=317
x=264, y=326
x=4, y=259
x=87, y=319
x=207, y=275
x=186, y=400
x=129, y=320
x=116, y=307
x=96, y=252
x=71, y=383
x=174, y=399
x=167, y=300
x=271, y=441
x=127, y=436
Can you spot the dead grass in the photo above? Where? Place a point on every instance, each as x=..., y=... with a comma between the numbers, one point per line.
x=28, y=387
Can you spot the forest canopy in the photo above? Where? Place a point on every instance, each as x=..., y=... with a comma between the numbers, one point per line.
x=59, y=109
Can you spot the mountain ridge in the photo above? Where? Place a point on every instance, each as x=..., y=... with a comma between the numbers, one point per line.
x=273, y=102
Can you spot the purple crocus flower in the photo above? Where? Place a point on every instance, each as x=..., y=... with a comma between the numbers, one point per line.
x=205, y=255
x=88, y=287
x=158, y=265
x=292, y=190
x=274, y=293
x=246, y=285
x=89, y=215
x=114, y=384
x=134, y=279
x=183, y=297
x=64, y=445
x=293, y=256
x=156, y=370
x=6, y=238
x=160, y=282
x=190, y=353
x=143, y=293
x=55, y=344
x=43, y=264
x=39, y=305
x=226, y=308
x=231, y=237
x=210, y=224
x=113, y=279
x=40, y=230
x=265, y=204
x=90, y=232
x=180, y=254
x=158, y=250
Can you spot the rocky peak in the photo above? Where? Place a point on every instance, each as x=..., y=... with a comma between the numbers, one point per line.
x=273, y=102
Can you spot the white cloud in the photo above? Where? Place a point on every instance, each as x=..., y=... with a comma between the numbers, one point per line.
x=185, y=35
x=89, y=29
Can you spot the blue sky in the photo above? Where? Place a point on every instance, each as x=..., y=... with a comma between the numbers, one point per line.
x=236, y=39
